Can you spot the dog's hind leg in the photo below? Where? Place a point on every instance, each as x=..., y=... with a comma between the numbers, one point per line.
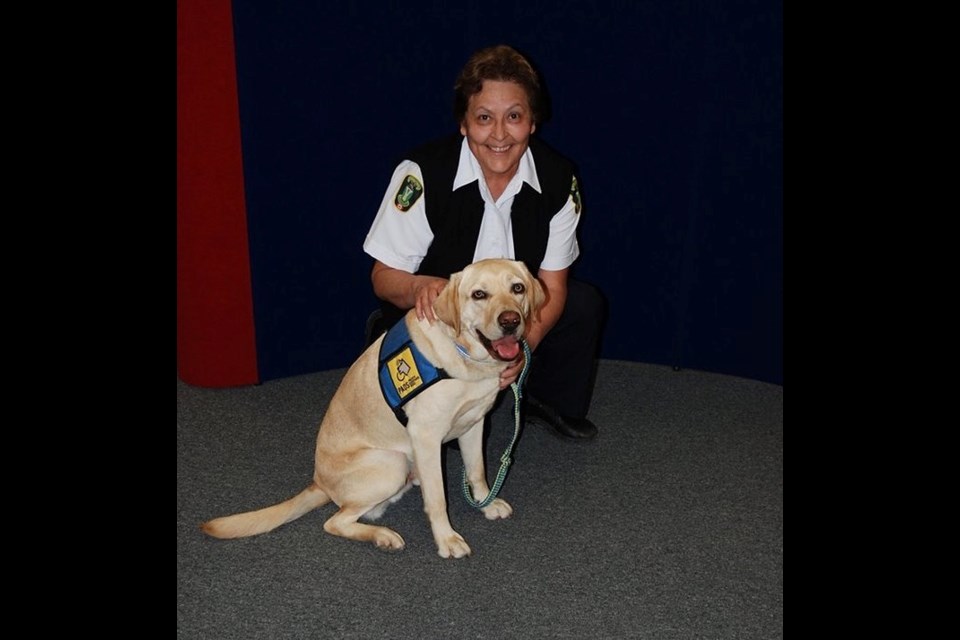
x=378, y=510
x=344, y=523
x=376, y=479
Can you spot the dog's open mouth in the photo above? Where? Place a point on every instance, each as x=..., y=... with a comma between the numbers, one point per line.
x=506, y=348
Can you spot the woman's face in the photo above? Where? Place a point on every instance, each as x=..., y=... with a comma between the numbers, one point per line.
x=498, y=124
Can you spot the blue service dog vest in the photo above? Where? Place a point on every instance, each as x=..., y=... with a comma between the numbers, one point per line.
x=404, y=371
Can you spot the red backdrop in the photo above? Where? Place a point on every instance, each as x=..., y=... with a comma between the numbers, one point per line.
x=216, y=345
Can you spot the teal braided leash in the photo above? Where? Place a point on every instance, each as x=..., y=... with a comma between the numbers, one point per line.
x=505, y=458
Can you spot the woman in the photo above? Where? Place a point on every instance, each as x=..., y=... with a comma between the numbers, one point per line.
x=495, y=191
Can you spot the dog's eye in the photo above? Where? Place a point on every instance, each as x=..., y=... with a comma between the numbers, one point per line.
x=519, y=288
x=479, y=294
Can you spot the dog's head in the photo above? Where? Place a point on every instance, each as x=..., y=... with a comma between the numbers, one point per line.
x=491, y=301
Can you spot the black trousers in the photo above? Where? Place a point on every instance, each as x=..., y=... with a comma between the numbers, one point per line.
x=564, y=365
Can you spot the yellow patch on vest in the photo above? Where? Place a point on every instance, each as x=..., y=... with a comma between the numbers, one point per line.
x=404, y=373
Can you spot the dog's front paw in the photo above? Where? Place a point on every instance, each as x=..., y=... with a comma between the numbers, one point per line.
x=453, y=546
x=497, y=509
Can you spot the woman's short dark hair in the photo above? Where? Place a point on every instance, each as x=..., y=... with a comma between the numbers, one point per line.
x=500, y=62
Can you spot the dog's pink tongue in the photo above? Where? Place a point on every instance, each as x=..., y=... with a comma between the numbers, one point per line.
x=507, y=348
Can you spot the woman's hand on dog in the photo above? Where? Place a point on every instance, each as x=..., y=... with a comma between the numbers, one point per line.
x=425, y=291
x=509, y=375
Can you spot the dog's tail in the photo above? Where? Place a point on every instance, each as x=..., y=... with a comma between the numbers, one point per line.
x=252, y=523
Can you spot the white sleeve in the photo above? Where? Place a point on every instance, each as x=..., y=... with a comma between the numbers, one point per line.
x=400, y=238
x=562, y=246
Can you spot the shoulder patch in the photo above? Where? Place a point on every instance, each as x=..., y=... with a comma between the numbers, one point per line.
x=575, y=194
x=410, y=190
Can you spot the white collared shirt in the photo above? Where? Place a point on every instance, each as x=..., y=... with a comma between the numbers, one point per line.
x=400, y=239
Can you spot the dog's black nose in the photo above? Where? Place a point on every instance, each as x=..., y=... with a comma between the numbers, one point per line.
x=509, y=321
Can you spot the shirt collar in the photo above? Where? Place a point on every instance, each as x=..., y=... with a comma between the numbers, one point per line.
x=469, y=169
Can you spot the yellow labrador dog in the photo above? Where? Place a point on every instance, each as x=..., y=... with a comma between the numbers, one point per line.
x=366, y=459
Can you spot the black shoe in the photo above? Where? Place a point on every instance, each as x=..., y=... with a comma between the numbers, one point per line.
x=572, y=428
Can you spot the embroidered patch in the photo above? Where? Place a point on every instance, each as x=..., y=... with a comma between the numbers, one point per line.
x=409, y=191
x=404, y=373
x=575, y=194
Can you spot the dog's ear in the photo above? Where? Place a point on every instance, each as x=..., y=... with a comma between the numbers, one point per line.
x=447, y=304
x=537, y=297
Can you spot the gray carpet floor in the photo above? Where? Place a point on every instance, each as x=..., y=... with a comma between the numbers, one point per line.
x=668, y=525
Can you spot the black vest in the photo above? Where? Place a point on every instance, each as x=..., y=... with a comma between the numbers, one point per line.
x=455, y=216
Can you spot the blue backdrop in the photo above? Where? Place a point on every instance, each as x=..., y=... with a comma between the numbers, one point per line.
x=672, y=110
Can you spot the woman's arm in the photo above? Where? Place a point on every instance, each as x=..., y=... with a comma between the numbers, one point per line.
x=555, y=286
x=406, y=290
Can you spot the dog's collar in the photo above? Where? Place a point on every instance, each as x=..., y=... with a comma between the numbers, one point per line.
x=462, y=350
x=404, y=371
